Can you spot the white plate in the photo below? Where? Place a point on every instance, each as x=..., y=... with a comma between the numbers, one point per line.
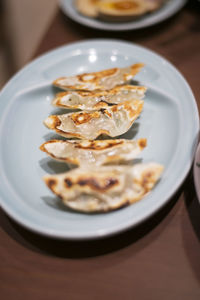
x=196, y=172
x=165, y=12
x=169, y=121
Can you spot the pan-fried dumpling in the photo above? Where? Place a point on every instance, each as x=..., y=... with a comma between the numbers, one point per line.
x=104, y=188
x=87, y=7
x=103, y=80
x=96, y=100
x=96, y=153
x=113, y=121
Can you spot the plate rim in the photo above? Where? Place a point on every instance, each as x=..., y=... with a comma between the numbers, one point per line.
x=129, y=225
x=126, y=26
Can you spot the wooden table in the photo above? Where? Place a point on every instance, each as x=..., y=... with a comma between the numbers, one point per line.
x=159, y=259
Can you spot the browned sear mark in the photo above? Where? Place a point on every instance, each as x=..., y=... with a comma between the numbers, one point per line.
x=56, y=122
x=108, y=72
x=147, y=179
x=106, y=112
x=95, y=185
x=133, y=112
x=93, y=145
x=114, y=108
x=84, y=117
x=68, y=182
x=84, y=77
x=42, y=147
x=136, y=68
x=96, y=76
x=51, y=183
x=92, y=183
x=142, y=143
x=101, y=104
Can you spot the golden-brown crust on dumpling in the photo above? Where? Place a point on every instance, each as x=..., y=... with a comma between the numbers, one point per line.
x=96, y=100
x=96, y=153
x=84, y=117
x=97, y=80
x=99, y=145
x=132, y=111
x=105, y=188
x=118, y=118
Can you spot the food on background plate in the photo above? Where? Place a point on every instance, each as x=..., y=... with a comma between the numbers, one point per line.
x=87, y=7
x=95, y=100
x=117, y=10
x=153, y=5
x=112, y=121
x=95, y=153
x=121, y=10
x=104, y=188
x=102, y=80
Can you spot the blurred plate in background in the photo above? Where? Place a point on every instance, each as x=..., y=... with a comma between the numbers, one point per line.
x=169, y=9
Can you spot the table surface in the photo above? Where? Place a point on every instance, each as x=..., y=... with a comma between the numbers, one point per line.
x=160, y=259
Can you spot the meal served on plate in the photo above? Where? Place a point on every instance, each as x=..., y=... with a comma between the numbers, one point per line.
x=109, y=108
x=112, y=121
x=95, y=100
x=96, y=153
x=102, y=80
x=117, y=10
x=104, y=188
